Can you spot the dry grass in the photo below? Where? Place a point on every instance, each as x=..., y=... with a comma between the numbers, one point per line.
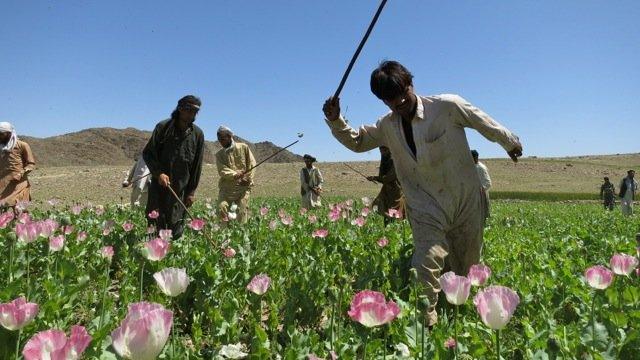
x=102, y=184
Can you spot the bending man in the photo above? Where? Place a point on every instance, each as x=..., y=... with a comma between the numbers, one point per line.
x=16, y=162
x=431, y=156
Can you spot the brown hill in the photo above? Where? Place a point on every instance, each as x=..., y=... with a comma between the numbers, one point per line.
x=108, y=146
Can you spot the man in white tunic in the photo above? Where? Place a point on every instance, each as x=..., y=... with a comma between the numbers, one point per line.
x=139, y=174
x=485, y=180
x=431, y=156
x=628, y=188
x=310, y=183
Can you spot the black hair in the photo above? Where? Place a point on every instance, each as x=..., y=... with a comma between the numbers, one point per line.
x=390, y=80
x=474, y=153
x=185, y=100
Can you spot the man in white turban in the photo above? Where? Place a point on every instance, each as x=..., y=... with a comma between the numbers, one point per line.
x=16, y=162
x=234, y=187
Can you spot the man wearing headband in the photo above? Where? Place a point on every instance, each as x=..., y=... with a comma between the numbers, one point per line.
x=310, y=183
x=234, y=186
x=16, y=162
x=426, y=135
x=174, y=157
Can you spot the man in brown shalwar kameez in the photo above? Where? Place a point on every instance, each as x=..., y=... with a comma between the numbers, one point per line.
x=16, y=162
x=390, y=194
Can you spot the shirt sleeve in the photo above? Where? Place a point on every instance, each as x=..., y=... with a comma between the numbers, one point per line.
x=196, y=166
x=251, y=162
x=485, y=179
x=320, y=179
x=477, y=119
x=151, y=152
x=28, y=161
x=364, y=139
x=303, y=183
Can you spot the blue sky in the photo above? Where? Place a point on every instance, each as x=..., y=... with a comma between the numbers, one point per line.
x=563, y=75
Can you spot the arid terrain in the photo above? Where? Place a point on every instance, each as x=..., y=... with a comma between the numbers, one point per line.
x=575, y=175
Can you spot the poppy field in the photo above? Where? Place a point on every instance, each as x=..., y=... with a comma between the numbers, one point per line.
x=556, y=281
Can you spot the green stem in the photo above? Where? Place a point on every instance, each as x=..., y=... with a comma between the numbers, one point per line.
x=11, y=262
x=173, y=335
x=498, y=344
x=104, y=295
x=141, y=278
x=455, y=333
x=28, y=275
x=384, y=349
x=364, y=350
x=593, y=321
x=333, y=315
x=18, y=344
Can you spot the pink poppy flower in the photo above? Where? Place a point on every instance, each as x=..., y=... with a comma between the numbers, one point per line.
x=108, y=227
x=366, y=201
x=99, y=210
x=47, y=227
x=394, y=213
x=54, y=344
x=334, y=215
x=273, y=224
x=77, y=209
x=450, y=343
x=370, y=308
x=165, y=234
x=281, y=213
x=478, y=274
x=303, y=211
x=107, y=252
x=24, y=218
x=17, y=314
x=264, y=211
x=349, y=202
x=127, y=226
x=313, y=357
x=496, y=305
x=365, y=212
x=623, y=264
x=156, y=249
x=56, y=243
x=229, y=252
x=154, y=214
x=172, y=281
x=359, y=221
x=286, y=220
x=82, y=236
x=143, y=332
x=598, y=277
x=27, y=233
x=22, y=205
x=151, y=229
x=455, y=287
x=312, y=219
x=321, y=233
x=6, y=218
x=382, y=242
x=259, y=284
x=68, y=229
x=196, y=224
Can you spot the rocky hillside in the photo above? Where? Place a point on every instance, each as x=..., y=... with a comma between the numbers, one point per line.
x=108, y=146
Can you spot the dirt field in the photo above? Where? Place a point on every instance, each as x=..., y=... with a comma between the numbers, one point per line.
x=102, y=184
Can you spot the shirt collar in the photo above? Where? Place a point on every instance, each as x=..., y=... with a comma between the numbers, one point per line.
x=419, y=108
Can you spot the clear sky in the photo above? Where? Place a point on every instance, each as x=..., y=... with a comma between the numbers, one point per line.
x=563, y=75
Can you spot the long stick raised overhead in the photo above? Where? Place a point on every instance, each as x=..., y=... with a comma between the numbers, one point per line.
x=355, y=55
x=358, y=172
x=272, y=155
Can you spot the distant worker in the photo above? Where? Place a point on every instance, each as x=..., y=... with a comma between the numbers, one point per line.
x=16, y=162
x=141, y=178
x=485, y=181
x=426, y=135
x=628, y=188
x=174, y=156
x=390, y=195
x=607, y=194
x=234, y=187
x=310, y=183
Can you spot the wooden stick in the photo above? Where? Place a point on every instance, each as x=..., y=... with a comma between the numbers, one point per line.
x=136, y=179
x=189, y=213
x=355, y=55
x=359, y=173
x=270, y=156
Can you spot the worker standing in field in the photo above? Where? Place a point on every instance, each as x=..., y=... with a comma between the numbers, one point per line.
x=139, y=174
x=234, y=186
x=310, y=183
x=628, y=188
x=174, y=156
x=485, y=181
x=16, y=162
x=607, y=194
x=431, y=156
x=390, y=195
